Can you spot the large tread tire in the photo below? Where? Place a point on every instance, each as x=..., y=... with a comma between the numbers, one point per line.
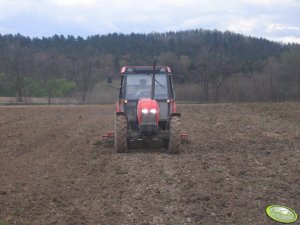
x=174, y=139
x=121, y=134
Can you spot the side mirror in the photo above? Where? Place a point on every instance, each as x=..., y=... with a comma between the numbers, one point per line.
x=109, y=80
x=179, y=80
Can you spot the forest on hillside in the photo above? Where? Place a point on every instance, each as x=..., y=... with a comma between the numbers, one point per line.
x=218, y=66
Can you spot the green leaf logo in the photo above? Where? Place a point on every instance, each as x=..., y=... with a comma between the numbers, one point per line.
x=281, y=214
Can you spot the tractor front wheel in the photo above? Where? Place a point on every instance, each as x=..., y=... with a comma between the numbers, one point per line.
x=174, y=139
x=121, y=133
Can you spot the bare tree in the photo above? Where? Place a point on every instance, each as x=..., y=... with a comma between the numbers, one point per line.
x=83, y=73
x=222, y=69
x=202, y=64
x=290, y=62
x=19, y=64
x=49, y=65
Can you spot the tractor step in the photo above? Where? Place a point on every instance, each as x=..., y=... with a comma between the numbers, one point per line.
x=108, y=138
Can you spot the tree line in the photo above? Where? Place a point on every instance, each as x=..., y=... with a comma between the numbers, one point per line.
x=219, y=66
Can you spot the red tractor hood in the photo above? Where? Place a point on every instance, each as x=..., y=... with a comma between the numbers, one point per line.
x=147, y=106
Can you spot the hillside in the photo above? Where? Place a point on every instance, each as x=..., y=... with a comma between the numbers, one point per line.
x=218, y=64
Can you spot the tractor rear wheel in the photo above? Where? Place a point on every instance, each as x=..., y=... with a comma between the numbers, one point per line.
x=174, y=139
x=121, y=133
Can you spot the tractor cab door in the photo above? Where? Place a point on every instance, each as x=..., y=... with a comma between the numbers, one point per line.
x=122, y=88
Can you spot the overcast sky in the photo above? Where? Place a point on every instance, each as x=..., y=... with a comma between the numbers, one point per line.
x=277, y=20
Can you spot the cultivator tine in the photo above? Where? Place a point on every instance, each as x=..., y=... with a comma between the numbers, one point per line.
x=184, y=138
x=108, y=138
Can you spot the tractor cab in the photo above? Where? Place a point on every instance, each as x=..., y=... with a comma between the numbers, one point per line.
x=137, y=84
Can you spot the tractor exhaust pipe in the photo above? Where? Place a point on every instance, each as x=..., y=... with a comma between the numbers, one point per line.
x=153, y=78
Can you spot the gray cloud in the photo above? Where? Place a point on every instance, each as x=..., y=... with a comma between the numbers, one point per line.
x=273, y=19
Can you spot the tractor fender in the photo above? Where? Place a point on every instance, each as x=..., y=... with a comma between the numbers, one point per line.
x=120, y=106
x=120, y=113
x=173, y=106
x=175, y=114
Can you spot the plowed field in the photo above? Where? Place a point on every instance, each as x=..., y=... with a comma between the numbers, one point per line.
x=54, y=170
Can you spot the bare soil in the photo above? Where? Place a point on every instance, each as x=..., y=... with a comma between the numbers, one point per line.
x=242, y=158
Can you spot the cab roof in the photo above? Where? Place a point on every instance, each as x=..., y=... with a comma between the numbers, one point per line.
x=145, y=69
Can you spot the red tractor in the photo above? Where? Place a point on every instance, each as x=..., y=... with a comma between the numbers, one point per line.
x=146, y=109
